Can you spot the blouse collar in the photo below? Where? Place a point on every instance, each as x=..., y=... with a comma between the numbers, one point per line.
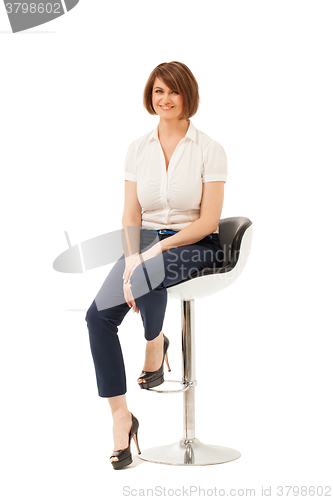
x=191, y=133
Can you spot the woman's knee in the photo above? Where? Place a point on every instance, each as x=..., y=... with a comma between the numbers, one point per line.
x=92, y=315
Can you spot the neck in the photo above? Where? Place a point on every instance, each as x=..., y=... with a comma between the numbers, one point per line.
x=172, y=128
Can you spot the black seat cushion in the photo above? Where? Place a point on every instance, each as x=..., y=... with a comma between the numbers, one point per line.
x=231, y=232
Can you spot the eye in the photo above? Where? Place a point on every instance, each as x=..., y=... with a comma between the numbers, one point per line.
x=158, y=90
x=175, y=91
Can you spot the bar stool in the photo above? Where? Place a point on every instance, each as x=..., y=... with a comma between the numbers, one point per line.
x=235, y=235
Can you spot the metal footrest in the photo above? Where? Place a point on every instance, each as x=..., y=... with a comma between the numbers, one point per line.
x=185, y=386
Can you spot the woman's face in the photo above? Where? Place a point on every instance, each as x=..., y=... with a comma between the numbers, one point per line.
x=166, y=102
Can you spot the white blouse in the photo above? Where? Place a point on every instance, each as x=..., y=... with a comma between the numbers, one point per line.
x=170, y=199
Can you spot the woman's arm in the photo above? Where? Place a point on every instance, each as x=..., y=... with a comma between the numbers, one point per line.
x=131, y=220
x=210, y=214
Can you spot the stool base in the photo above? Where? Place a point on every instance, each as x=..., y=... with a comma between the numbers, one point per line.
x=189, y=452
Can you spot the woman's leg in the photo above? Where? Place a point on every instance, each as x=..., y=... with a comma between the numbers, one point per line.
x=103, y=318
x=122, y=422
x=153, y=355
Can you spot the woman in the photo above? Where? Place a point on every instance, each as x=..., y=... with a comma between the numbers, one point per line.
x=174, y=182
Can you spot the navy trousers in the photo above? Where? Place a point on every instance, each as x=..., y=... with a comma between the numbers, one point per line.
x=149, y=283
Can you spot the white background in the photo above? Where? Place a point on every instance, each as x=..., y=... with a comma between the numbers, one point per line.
x=71, y=103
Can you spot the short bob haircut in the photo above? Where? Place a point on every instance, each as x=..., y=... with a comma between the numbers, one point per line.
x=176, y=76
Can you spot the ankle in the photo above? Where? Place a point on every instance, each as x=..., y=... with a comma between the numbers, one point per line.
x=156, y=342
x=121, y=415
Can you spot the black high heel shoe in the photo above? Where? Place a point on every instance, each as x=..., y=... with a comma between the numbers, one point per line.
x=153, y=379
x=125, y=456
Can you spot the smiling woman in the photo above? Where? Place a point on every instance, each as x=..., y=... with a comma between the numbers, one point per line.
x=174, y=188
x=166, y=100
x=177, y=78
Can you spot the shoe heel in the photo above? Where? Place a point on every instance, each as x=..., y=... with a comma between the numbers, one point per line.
x=167, y=362
x=135, y=437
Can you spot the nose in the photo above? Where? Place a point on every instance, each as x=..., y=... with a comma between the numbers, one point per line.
x=165, y=99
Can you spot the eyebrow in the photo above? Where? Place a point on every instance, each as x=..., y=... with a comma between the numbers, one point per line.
x=163, y=89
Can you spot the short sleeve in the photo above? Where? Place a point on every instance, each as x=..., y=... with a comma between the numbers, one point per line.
x=215, y=163
x=130, y=163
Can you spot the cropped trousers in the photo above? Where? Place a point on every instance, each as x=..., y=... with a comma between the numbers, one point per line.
x=149, y=283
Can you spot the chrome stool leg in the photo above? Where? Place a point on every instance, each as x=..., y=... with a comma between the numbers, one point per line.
x=189, y=450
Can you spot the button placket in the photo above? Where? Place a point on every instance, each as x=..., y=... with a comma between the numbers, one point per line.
x=163, y=187
x=166, y=176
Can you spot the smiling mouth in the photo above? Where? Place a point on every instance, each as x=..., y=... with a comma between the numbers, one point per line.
x=166, y=107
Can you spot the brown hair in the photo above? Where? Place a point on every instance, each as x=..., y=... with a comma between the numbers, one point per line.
x=176, y=76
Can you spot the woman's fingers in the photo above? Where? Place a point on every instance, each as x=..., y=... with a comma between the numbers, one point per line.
x=129, y=297
x=127, y=273
x=126, y=295
x=135, y=309
x=130, y=266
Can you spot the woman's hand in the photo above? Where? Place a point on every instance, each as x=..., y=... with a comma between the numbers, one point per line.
x=129, y=296
x=131, y=263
